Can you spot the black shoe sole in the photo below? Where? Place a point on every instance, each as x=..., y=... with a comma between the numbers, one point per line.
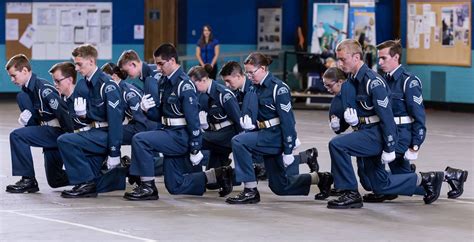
x=463, y=179
x=354, y=205
x=141, y=198
x=380, y=200
x=88, y=195
x=321, y=196
x=29, y=190
x=244, y=202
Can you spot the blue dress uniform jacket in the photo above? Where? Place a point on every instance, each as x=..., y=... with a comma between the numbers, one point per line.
x=340, y=102
x=151, y=84
x=180, y=135
x=50, y=111
x=223, y=116
x=84, y=152
x=271, y=140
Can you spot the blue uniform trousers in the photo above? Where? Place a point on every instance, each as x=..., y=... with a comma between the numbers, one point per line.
x=180, y=176
x=21, y=141
x=244, y=147
x=367, y=144
x=53, y=166
x=219, y=145
x=83, y=154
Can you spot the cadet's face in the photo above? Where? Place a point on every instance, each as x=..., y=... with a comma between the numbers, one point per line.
x=234, y=81
x=131, y=68
x=163, y=66
x=201, y=85
x=386, y=62
x=254, y=73
x=346, y=61
x=18, y=78
x=61, y=83
x=334, y=87
x=84, y=65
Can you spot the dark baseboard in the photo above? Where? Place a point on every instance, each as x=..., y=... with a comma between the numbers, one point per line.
x=454, y=107
x=8, y=96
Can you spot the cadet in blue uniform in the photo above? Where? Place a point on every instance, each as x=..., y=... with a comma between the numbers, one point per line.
x=40, y=101
x=97, y=100
x=234, y=77
x=409, y=114
x=274, y=139
x=374, y=141
x=179, y=139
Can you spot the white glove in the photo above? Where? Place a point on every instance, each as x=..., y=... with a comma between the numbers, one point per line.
x=147, y=102
x=335, y=123
x=203, y=120
x=246, y=123
x=80, y=106
x=411, y=155
x=113, y=162
x=387, y=157
x=350, y=115
x=196, y=159
x=24, y=117
x=297, y=143
x=288, y=160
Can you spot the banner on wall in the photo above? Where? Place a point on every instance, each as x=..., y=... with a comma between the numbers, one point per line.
x=61, y=26
x=362, y=25
x=329, y=27
x=269, y=29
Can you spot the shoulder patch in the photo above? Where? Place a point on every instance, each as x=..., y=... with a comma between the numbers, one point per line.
x=282, y=90
x=110, y=88
x=53, y=103
x=130, y=95
x=226, y=97
x=186, y=87
x=46, y=92
x=414, y=83
x=375, y=83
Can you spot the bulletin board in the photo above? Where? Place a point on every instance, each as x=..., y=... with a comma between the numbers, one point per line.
x=18, y=17
x=439, y=32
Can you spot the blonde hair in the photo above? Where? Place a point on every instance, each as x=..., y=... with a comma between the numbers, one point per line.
x=351, y=46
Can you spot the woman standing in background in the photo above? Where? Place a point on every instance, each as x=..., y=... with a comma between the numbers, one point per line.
x=207, y=50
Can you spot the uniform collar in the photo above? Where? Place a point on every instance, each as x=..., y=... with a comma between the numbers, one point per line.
x=267, y=76
x=30, y=84
x=244, y=86
x=146, y=71
x=397, y=72
x=359, y=76
x=173, y=77
x=210, y=87
x=93, y=78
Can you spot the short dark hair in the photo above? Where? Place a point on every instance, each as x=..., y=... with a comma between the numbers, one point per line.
x=395, y=48
x=19, y=61
x=110, y=68
x=334, y=74
x=258, y=59
x=166, y=52
x=199, y=72
x=85, y=51
x=230, y=68
x=67, y=69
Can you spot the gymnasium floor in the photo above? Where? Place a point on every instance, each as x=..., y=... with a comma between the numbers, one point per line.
x=47, y=216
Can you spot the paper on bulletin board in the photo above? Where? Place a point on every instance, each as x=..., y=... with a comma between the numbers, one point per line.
x=427, y=41
x=11, y=29
x=138, y=32
x=27, y=36
x=411, y=9
x=18, y=7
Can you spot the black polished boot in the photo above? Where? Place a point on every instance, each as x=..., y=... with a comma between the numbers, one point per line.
x=224, y=177
x=350, y=199
x=247, y=196
x=26, y=184
x=335, y=192
x=377, y=198
x=86, y=189
x=125, y=161
x=146, y=190
x=431, y=182
x=310, y=157
x=260, y=171
x=455, y=178
x=325, y=182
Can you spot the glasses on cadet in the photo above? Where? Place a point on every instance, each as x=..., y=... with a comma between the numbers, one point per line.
x=251, y=73
x=329, y=85
x=58, y=81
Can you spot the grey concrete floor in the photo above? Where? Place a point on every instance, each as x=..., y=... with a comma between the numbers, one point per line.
x=47, y=216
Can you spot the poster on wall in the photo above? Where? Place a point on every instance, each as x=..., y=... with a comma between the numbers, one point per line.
x=329, y=27
x=362, y=25
x=61, y=26
x=269, y=29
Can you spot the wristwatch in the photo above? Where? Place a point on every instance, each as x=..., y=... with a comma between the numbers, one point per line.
x=415, y=148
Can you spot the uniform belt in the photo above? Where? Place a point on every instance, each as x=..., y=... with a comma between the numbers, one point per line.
x=403, y=120
x=85, y=128
x=268, y=123
x=218, y=126
x=97, y=124
x=173, y=121
x=52, y=123
x=369, y=120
